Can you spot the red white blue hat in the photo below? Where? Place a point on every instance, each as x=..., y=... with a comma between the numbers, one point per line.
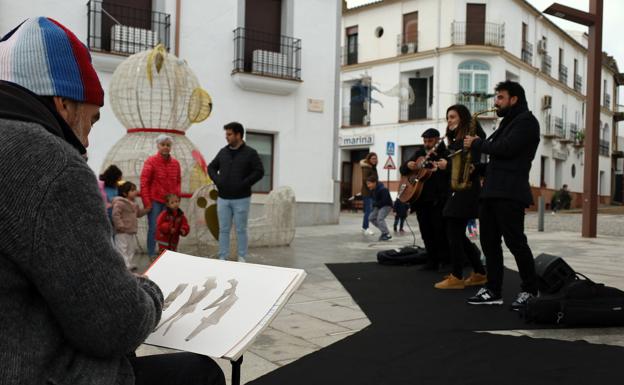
x=46, y=58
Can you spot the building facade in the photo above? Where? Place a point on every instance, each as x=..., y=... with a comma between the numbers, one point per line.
x=405, y=62
x=258, y=59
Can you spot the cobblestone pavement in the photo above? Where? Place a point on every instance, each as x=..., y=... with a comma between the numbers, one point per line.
x=321, y=312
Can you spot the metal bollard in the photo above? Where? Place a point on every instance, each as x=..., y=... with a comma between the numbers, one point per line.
x=540, y=213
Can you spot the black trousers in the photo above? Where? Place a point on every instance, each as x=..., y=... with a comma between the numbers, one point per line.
x=432, y=231
x=176, y=369
x=461, y=248
x=398, y=219
x=505, y=218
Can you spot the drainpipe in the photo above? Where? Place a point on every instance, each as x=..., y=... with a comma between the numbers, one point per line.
x=177, y=28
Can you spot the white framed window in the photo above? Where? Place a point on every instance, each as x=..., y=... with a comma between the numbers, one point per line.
x=263, y=143
x=474, y=77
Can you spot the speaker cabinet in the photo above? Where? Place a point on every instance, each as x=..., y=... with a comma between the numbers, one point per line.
x=552, y=273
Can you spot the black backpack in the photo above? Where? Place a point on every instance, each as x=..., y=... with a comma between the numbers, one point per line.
x=580, y=302
x=407, y=255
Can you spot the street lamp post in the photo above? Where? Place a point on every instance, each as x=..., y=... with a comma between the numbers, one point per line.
x=592, y=19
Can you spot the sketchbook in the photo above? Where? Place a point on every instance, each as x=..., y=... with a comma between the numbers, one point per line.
x=217, y=308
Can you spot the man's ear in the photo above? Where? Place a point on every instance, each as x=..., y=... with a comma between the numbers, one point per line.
x=513, y=100
x=62, y=107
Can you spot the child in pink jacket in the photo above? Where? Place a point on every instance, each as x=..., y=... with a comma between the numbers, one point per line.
x=125, y=221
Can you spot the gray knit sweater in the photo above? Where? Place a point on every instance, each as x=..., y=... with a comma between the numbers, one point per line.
x=69, y=309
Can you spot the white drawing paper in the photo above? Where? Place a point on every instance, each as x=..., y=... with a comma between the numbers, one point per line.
x=216, y=308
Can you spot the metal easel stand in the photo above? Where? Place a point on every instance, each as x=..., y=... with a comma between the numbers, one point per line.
x=236, y=366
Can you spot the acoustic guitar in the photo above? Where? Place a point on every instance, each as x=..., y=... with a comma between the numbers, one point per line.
x=412, y=184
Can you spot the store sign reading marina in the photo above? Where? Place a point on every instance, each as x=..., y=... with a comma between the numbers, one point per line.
x=356, y=140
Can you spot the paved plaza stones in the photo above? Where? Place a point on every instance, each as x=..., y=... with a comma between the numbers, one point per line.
x=321, y=312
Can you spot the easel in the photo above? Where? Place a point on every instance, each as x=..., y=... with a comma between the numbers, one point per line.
x=236, y=366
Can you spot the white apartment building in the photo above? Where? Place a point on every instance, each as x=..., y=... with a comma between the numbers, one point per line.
x=405, y=62
x=259, y=61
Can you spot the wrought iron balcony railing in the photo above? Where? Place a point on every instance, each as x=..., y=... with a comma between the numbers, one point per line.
x=266, y=54
x=407, y=43
x=546, y=64
x=578, y=83
x=604, y=147
x=527, y=52
x=606, y=102
x=563, y=74
x=463, y=33
x=349, y=55
x=559, y=128
x=125, y=30
x=475, y=103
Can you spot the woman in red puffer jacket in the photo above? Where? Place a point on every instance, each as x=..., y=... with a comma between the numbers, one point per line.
x=161, y=175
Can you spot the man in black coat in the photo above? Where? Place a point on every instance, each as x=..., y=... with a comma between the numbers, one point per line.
x=234, y=170
x=429, y=205
x=506, y=193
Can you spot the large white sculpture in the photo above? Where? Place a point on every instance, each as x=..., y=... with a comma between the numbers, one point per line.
x=151, y=93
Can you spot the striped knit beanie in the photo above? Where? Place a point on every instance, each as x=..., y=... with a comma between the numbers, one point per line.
x=46, y=58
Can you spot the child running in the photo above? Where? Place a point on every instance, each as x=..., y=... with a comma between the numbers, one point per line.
x=171, y=224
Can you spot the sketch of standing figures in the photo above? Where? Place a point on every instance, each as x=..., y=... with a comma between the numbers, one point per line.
x=223, y=304
x=174, y=295
x=189, y=307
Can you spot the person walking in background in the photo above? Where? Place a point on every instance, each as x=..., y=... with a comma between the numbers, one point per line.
x=382, y=205
x=506, y=193
x=400, y=214
x=161, y=175
x=108, y=182
x=171, y=224
x=235, y=169
x=125, y=221
x=561, y=199
x=369, y=168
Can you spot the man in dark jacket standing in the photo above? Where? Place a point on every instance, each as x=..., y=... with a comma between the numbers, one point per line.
x=234, y=170
x=72, y=313
x=506, y=193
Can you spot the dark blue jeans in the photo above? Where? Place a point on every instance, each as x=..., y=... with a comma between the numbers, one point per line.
x=368, y=209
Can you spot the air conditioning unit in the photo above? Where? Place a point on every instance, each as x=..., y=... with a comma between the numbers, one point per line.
x=125, y=39
x=408, y=48
x=542, y=47
x=546, y=102
x=270, y=63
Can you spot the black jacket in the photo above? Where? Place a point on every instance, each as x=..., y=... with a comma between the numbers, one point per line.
x=435, y=189
x=381, y=196
x=511, y=149
x=235, y=171
x=463, y=204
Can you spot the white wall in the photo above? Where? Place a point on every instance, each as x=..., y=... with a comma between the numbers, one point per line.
x=304, y=141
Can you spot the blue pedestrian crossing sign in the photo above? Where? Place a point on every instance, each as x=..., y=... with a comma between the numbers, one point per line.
x=389, y=148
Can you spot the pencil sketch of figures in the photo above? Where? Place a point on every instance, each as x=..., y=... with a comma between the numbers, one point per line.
x=174, y=295
x=222, y=304
x=189, y=307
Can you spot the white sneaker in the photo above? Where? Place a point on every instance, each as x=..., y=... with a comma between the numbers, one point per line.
x=242, y=259
x=368, y=232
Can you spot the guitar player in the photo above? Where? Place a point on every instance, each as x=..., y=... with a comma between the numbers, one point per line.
x=431, y=201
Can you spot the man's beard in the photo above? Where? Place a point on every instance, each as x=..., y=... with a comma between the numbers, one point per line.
x=502, y=112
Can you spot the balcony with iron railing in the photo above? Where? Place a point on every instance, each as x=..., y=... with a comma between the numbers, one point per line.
x=571, y=131
x=606, y=101
x=349, y=56
x=578, y=83
x=407, y=43
x=354, y=116
x=563, y=74
x=492, y=34
x=527, y=52
x=603, y=147
x=125, y=30
x=475, y=103
x=559, y=128
x=265, y=54
x=546, y=64
x=548, y=128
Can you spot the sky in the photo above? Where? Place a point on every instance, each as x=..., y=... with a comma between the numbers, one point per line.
x=612, y=24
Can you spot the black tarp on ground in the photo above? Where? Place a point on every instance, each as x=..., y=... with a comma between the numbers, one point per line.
x=419, y=335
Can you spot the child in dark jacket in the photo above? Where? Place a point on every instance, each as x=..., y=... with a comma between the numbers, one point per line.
x=400, y=214
x=171, y=224
x=382, y=206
